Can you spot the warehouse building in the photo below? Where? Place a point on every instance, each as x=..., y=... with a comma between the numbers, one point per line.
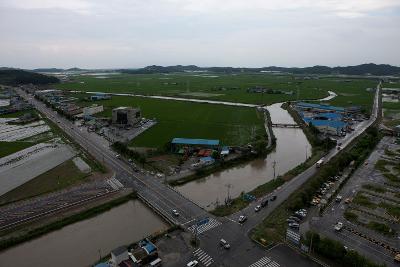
x=126, y=116
x=88, y=111
x=329, y=126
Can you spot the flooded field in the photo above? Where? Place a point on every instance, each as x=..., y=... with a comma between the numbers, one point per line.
x=81, y=243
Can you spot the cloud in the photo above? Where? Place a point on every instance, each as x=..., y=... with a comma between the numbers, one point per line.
x=132, y=33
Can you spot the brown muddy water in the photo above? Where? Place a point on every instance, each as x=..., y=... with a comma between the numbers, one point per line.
x=292, y=148
x=81, y=243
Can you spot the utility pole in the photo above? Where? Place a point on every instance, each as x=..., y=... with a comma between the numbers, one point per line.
x=306, y=151
x=273, y=166
x=228, y=186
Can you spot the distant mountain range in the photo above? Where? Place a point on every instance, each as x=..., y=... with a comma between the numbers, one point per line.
x=57, y=70
x=363, y=69
x=16, y=76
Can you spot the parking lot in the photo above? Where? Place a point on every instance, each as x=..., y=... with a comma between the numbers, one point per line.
x=366, y=215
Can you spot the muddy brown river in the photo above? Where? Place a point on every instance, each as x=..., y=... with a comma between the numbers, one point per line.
x=292, y=148
x=81, y=243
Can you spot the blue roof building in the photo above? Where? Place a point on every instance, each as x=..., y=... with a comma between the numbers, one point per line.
x=320, y=107
x=200, y=142
x=329, y=116
x=328, y=126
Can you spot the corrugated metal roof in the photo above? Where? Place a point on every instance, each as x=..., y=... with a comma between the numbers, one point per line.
x=334, y=124
x=319, y=106
x=329, y=115
x=189, y=141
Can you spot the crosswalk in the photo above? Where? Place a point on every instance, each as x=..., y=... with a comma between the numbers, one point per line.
x=203, y=257
x=265, y=262
x=212, y=223
x=114, y=183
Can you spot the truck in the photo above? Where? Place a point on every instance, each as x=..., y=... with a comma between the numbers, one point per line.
x=320, y=162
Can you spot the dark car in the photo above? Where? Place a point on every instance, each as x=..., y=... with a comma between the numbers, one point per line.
x=273, y=197
x=264, y=203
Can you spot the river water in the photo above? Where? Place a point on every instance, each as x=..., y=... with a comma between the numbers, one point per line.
x=292, y=148
x=79, y=244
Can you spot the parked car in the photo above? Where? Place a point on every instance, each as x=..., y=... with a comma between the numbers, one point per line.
x=118, y=156
x=294, y=225
x=294, y=218
x=242, y=218
x=273, y=197
x=397, y=257
x=257, y=208
x=348, y=200
x=192, y=263
x=338, y=198
x=175, y=213
x=264, y=203
x=338, y=226
x=224, y=244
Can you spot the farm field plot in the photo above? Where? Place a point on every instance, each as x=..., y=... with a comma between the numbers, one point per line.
x=63, y=175
x=8, y=148
x=232, y=125
x=226, y=87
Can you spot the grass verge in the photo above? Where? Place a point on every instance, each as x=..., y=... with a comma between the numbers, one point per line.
x=273, y=227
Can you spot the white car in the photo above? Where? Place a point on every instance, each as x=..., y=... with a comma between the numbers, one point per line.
x=257, y=208
x=175, y=212
x=192, y=263
x=338, y=226
x=242, y=219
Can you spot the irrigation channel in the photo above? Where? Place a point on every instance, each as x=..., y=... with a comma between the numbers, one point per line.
x=81, y=243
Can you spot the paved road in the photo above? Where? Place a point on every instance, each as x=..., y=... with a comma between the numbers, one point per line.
x=163, y=198
x=364, y=175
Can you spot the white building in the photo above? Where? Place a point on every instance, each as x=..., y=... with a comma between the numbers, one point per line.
x=88, y=111
x=118, y=255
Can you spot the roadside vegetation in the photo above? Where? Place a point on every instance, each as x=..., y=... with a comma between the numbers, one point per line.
x=273, y=227
x=335, y=251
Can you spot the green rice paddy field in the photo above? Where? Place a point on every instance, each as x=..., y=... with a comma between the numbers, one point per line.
x=228, y=87
x=391, y=110
x=232, y=125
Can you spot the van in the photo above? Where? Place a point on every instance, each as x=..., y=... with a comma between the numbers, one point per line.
x=224, y=244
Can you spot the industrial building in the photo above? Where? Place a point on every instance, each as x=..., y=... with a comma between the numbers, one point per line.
x=100, y=96
x=179, y=143
x=88, y=111
x=126, y=116
x=321, y=108
x=311, y=107
x=329, y=126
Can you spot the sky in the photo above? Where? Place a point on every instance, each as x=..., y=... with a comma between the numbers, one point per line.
x=239, y=33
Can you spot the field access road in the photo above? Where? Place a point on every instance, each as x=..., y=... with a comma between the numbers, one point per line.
x=163, y=198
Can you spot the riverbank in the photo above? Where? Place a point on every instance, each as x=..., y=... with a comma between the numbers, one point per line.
x=7, y=242
x=244, y=158
x=240, y=203
x=273, y=227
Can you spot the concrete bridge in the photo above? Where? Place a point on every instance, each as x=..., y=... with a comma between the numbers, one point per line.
x=285, y=125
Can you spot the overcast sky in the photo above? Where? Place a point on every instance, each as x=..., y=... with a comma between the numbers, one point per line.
x=247, y=33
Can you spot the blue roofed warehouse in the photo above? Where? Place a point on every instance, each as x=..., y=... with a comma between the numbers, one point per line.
x=185, y=142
